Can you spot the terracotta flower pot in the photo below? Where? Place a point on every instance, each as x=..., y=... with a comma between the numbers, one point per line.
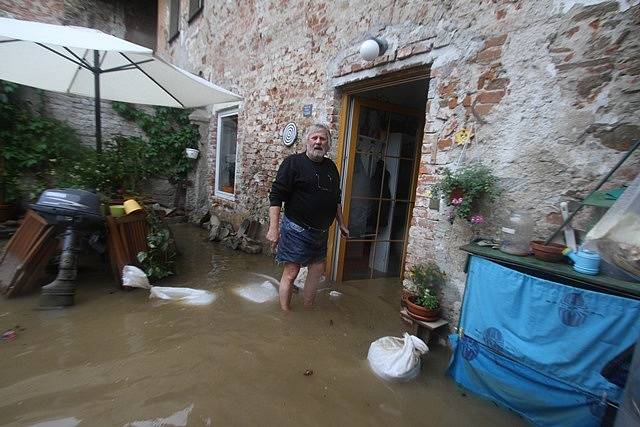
x=551, y=252
x=419, y=312
x=457, y=193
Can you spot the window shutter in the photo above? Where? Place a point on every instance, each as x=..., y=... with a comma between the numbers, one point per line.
x=194, y=7
x=174, y=17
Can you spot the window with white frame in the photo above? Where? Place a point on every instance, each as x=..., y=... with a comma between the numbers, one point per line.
x=226, y=154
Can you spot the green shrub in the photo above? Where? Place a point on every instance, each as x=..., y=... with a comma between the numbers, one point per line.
x=39, y=152
x=35, y=148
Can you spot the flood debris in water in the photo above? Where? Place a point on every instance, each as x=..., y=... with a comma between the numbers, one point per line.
x=9, y=335
x=244, y=239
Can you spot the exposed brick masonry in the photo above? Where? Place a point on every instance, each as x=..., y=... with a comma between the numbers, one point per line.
x=545, y=93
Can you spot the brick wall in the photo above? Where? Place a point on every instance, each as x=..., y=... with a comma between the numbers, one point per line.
x=549, y=89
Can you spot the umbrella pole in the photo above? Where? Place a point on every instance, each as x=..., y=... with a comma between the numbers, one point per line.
x=96, y=84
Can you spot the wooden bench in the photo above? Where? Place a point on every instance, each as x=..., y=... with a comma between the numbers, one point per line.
x=425, y=330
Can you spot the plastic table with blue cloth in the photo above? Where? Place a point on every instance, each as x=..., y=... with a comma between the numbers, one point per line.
x=543, y=341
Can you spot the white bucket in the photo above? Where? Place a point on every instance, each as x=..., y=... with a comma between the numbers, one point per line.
x=191, y=153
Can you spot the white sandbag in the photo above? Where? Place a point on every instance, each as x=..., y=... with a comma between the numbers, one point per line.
x=301, y=278
x=258, y=292
x=393, y=358
x=183, y=295
x=133, y=277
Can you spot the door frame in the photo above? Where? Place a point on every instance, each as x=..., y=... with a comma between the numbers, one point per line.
x=348, y=92
x=347, y=141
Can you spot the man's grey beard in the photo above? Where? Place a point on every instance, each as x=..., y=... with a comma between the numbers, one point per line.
x=316, y=156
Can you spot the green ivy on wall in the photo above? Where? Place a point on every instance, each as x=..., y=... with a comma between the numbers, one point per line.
x=169, y=132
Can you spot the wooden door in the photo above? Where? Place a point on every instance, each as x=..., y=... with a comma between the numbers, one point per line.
x=381, y=170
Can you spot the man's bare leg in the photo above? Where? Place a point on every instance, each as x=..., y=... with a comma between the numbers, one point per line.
x=289, y=274
x=311, y=284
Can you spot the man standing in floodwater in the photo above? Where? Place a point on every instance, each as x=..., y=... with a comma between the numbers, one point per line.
x=309, y=186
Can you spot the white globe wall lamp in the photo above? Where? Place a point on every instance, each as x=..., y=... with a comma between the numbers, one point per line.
x=373, y=47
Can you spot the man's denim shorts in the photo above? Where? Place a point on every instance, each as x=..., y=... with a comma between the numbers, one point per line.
x=301, y=245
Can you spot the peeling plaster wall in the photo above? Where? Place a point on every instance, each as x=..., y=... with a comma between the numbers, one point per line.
x=551, y=90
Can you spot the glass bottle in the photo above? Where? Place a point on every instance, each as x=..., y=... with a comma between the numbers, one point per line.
x=516, y=234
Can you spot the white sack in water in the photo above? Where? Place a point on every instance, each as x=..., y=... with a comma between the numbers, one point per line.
x=301, y=278
x=258, y=292
x=133, y=277
x=183, y=295
x=398, y=359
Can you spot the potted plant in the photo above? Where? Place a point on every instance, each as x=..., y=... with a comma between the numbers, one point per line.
x=465, y=187
x=424, y=304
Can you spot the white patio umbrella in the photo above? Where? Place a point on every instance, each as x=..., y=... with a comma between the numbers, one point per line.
x=88, y=62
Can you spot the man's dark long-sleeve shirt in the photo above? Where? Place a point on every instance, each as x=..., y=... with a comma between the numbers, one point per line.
x=310, y=190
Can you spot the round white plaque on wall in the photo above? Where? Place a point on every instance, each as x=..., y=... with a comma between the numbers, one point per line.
x=289, y=134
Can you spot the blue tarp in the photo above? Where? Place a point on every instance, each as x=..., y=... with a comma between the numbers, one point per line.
x=537, y=347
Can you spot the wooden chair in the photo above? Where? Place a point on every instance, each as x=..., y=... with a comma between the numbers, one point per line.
x=27, y=254
x=32, y=273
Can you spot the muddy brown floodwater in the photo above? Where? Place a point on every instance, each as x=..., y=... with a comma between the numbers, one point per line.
x=118, y=358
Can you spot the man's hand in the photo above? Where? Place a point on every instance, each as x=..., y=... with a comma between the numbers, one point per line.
x=272, y=236
x=344, y=231
x=273, y=233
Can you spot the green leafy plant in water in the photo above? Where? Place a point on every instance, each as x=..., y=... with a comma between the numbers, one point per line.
x=474, y=182
x=429, y=280
x=159, y=261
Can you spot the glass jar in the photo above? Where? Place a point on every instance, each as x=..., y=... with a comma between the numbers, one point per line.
x=516, y=234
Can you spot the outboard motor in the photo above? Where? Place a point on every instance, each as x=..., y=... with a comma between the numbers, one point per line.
x=76, y=211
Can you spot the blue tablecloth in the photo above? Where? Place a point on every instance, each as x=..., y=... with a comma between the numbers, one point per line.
x=537, y=347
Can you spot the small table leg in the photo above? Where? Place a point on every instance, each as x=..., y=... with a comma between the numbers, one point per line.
x=425, y=335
